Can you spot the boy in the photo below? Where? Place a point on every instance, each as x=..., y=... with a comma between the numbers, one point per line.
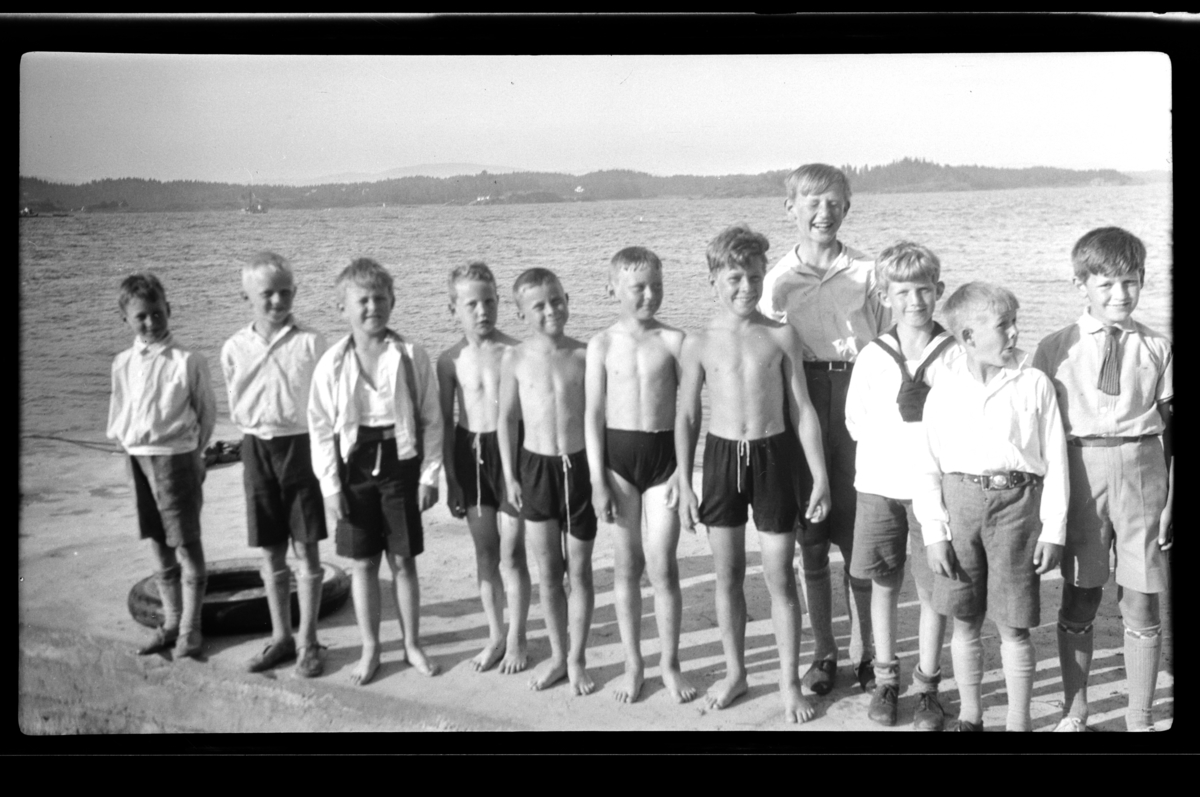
x=632, y=378
x=542, y=381
x=827, y=292
x=470, y=371
x=752, y=368
x=884, y=415
x=163, y=413
x=991, y=477
x=268, y=369
x=377, y=450
x=1113, y=377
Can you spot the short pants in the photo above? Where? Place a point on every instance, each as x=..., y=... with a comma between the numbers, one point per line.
x=882, y=527
x=743, y=473
x=994, y=534
x=827, y=391
x=558, y=488
x=283, y=496
x=1117, y=498
x=385, y=509
x=169, y=492
x=644, y=459
x=478, y=469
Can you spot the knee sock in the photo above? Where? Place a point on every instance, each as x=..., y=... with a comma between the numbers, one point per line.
x=858, y=599
x=967, y=655
x=1075, y=644
x=309, y=594
x=818, y=593
x=278, y=586
x=169, y=590
x=1019, y=662
x=887, y=673
x=1142, y=649
x=193, y=603
x=923, y=682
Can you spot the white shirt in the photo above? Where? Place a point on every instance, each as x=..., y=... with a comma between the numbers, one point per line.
x=1009, y=424
x=333, y=410
x=1072, y=358
x=836, y=313
x=162, y=399
x=269, y=381
x=887, y=445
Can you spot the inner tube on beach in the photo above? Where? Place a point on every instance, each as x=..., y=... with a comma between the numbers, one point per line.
x=235, y=601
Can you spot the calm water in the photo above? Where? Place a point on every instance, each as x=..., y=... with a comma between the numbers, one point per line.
x=70, y=267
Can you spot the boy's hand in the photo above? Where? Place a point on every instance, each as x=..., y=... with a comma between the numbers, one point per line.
x=942, y=560
x=336, y=509
x=689, y=508
x=1166, y=533
x=513, y=489
x=602, y=501
x=427, y=495
x=818, y=504
x=1046, y=556
x=455, y=499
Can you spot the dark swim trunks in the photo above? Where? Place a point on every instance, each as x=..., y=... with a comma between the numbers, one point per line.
x=478, y=470
x=383, y=495
x=743, y=473
x=558, y=488
x=644, y=459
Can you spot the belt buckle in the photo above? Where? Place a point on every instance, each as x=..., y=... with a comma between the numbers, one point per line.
x=1000, y=481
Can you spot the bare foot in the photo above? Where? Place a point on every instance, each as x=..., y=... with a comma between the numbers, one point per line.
x=581, y=682
x=549, y=674
x=421, y=663
x=796, y=707
x=629, y=687
x=725, y=692
x=368, y=665
x=488, y=657
x=678, y=686
x=514, y=660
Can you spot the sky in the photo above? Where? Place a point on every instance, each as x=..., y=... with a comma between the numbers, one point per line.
x=275, y=118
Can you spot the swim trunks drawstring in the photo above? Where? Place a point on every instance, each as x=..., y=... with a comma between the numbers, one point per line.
x=478, y=484
x=378, y=457
x=567, y=488
x=742, y=446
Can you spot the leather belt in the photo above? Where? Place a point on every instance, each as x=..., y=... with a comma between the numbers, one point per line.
x=827, y=365
x=1000, y=481
x=1107, y=442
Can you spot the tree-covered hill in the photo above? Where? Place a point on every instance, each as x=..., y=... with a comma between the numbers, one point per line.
x=906, y=175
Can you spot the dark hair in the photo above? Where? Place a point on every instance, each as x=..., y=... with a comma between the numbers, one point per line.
x=533, y=278
x=1110, y=252
x=144, y=286
x=735, y=247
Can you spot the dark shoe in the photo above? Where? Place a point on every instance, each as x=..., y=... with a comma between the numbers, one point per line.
x=819, y=677
x=164, y=640
x=883, y=704
x=963, y=725
x=929, y=716
x=273, y=654
x=309, y=664
x=865, y=672
x=189, y=644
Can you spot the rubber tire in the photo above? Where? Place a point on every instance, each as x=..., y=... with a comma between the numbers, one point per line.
x=235, y=601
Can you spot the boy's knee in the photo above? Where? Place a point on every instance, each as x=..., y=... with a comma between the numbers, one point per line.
x=275, y=556
x=815, y=557
x=1139, y=609
x=1011, y=634
x=1079, y=605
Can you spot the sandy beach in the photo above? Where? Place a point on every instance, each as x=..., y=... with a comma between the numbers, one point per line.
x=79, y=556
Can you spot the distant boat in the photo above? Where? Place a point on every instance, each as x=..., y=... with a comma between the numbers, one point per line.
x=255, y=205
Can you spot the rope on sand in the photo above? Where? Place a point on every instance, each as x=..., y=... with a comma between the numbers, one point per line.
x=219, y=452
x=110, y=448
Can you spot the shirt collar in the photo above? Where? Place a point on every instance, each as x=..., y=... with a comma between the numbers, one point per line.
x=840, y=261
x=288, y=326
x=1091, y=325
x=150, y=349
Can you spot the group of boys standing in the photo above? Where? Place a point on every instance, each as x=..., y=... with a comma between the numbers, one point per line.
x=833, y=426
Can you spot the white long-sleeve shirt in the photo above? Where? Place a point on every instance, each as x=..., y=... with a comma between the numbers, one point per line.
x=332, y=409
x=1011, y=423
x=269, y=381
x=887, y=445
x=162, y=399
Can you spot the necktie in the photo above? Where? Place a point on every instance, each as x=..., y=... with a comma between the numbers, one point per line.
x=1110, y=369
